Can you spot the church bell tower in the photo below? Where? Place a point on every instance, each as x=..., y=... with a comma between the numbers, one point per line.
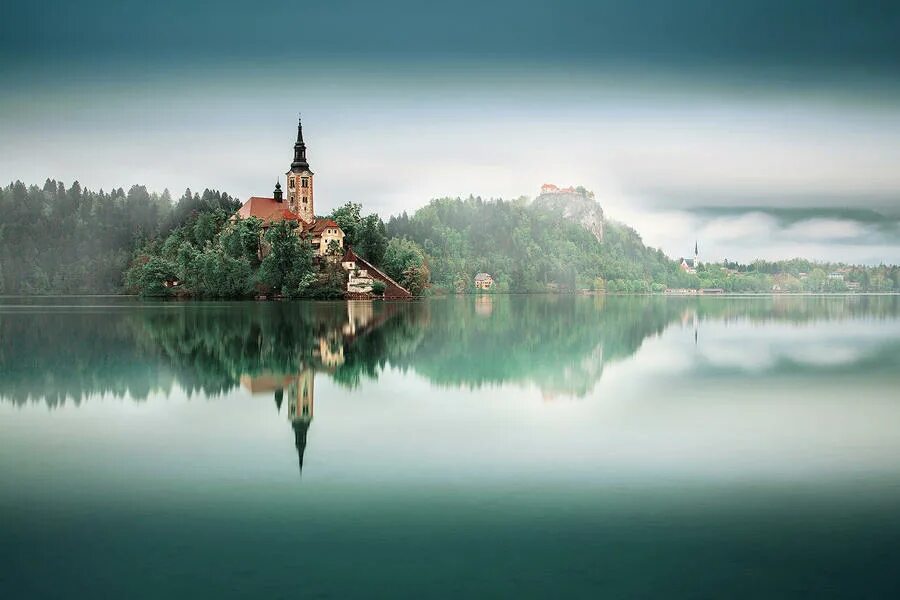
x=300, y=181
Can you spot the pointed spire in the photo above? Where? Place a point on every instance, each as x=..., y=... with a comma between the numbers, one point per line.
x=299, y=163
x=696, y=250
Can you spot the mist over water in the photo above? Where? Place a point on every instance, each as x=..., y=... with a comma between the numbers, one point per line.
x=492, y=445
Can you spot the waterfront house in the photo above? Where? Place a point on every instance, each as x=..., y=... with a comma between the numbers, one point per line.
x=483, y=281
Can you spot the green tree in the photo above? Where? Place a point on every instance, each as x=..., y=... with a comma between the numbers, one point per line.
x=328, y=283
x=241, y=239
x=366, y=235
x=415, y=278
x=815, y=281
x=220, y=275
x=348, y=217
x=153, y=276
x=371, y=239
x=400, y=255
x=288, y=260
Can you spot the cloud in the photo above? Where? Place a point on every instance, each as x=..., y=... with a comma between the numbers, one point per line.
x=826, y=230
x=737, y=229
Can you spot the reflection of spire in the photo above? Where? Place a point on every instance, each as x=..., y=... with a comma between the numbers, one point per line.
x=300, y=428
x=301, y=394
x=279, y=397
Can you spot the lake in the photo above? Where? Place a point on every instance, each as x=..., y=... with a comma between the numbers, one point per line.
x=512, y=446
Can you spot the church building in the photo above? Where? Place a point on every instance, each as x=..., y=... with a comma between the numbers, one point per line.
x=298, y=207
x=689, y=265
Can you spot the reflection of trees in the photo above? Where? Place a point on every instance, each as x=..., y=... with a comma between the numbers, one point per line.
x=557, y=343
x=796, y=309
x=52, y=356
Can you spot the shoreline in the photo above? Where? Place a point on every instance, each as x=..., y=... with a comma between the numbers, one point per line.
x=693, y=294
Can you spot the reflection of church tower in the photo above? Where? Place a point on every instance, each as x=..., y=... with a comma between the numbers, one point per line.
x=696, y=327
x=300, y=409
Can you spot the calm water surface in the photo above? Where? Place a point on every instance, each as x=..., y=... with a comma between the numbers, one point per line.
x=492, y=446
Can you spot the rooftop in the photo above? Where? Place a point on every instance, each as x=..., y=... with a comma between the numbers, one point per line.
x=268, y=210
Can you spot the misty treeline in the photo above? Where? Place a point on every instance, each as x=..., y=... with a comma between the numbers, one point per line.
x=530, y=248
x=55, y=240
x=527, y=248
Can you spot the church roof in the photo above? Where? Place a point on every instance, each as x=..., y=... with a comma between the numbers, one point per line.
x=269, y=210
x=483, y=277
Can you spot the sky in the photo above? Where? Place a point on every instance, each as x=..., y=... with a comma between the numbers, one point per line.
x=760, y=129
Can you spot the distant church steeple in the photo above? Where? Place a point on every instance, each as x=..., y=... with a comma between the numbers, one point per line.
x=300, y=181
x=696, y=253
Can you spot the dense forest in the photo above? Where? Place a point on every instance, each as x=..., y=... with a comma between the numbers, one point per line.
x=55, y=240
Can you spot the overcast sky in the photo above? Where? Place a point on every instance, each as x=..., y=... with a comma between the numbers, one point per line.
x=763, y=129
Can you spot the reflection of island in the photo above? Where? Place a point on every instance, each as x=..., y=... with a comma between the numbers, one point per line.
x=558, y=344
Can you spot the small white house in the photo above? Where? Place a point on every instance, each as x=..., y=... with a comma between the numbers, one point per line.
x=483, y=281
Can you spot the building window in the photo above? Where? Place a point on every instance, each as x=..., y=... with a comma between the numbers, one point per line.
x=304, y=199
x=304, y=182
x=291, y=183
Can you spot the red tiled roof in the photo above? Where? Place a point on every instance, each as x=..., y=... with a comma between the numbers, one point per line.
x=267, y=209
x=320, y=225
x=285, y=214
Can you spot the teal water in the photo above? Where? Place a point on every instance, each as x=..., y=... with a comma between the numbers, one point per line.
x=465, y=447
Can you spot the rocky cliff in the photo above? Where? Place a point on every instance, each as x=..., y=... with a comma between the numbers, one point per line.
x=576, y=204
